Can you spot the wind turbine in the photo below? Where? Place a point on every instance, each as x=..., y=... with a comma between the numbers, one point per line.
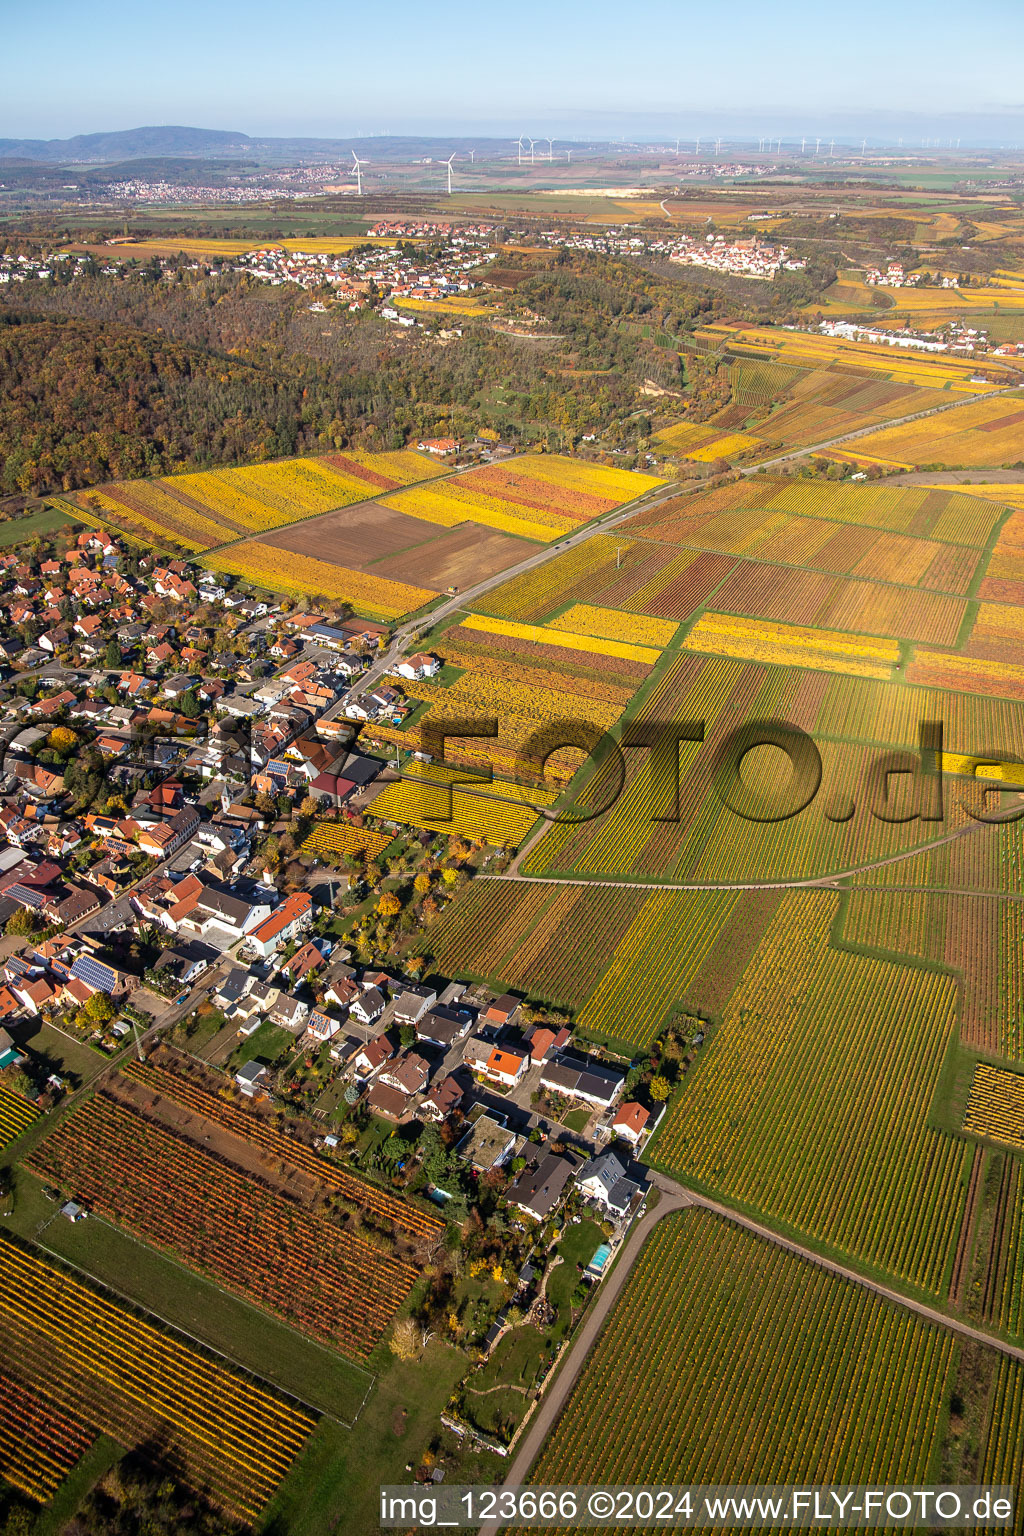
x=531, y=143
x=448, y=163
x=519, y=146
x=551, y=148
x=568, y=157
x=358, y=164
x=472, y=157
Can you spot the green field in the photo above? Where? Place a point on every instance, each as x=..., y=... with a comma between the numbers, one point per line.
x=19, y=530
x=334, y=1487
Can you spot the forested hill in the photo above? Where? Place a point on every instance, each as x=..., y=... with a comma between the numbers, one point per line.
x=126, y=144
x=150, y=371
x=85, y=402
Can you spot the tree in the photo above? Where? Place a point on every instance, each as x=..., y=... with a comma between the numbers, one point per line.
x=405, y=1340
x=389, y=905
x=659, y=1089
x=62, y=739
x=112, y=657
x=421, y=885
x=99, y=1009
x=21, y=923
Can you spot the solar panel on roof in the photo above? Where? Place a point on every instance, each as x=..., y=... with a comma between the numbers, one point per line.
x=94, y=973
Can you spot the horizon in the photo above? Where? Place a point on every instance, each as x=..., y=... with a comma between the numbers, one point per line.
x=564, y=71
x=907, y=133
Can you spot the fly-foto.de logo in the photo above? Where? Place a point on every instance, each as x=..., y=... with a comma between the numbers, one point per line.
x=896, y=786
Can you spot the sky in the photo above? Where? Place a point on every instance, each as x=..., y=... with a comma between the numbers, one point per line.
x=333, y=69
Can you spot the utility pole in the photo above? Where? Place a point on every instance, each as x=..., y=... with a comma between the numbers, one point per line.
x=138, y=1040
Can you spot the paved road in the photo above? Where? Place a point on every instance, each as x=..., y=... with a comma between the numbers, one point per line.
x=675, y=1197
x=464, y=599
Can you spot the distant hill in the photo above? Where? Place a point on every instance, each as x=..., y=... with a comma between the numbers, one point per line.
x=128, y=144
x=155, y=144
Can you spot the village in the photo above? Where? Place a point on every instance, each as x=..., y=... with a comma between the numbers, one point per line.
x=171, y=746
x=750, y=257
x=399, y=270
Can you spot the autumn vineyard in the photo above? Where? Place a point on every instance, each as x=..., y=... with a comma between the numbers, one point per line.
x=512, y=832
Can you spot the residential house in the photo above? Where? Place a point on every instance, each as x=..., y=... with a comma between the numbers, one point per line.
x=289, y=919
x=606, y=1181
x=232, y=987
x=545, y=1042
x=368, y=1006
x=477, y=1053
x=388, y=1103
x=506, y=1067
x=102, y=977
x=590, y=1081
x=539, y=1189
x=306, y=960
x=409, y=1074
x=289, y=1013
x=372, y=1057
x=166, y=837
x=34, y=994
x=80, y=903
x=630, y=1123
x=443, y=1025
x=412, y=1003
x=442, y=1100
x=418, y=667
x=488, y=1144
x=342, y=990
x=504, y=1011
x=320, y=1029
x=37, y=782
x=185, y=963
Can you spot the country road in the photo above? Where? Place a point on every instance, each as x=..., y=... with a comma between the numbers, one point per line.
x=649, y=499
x=676, y=1197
